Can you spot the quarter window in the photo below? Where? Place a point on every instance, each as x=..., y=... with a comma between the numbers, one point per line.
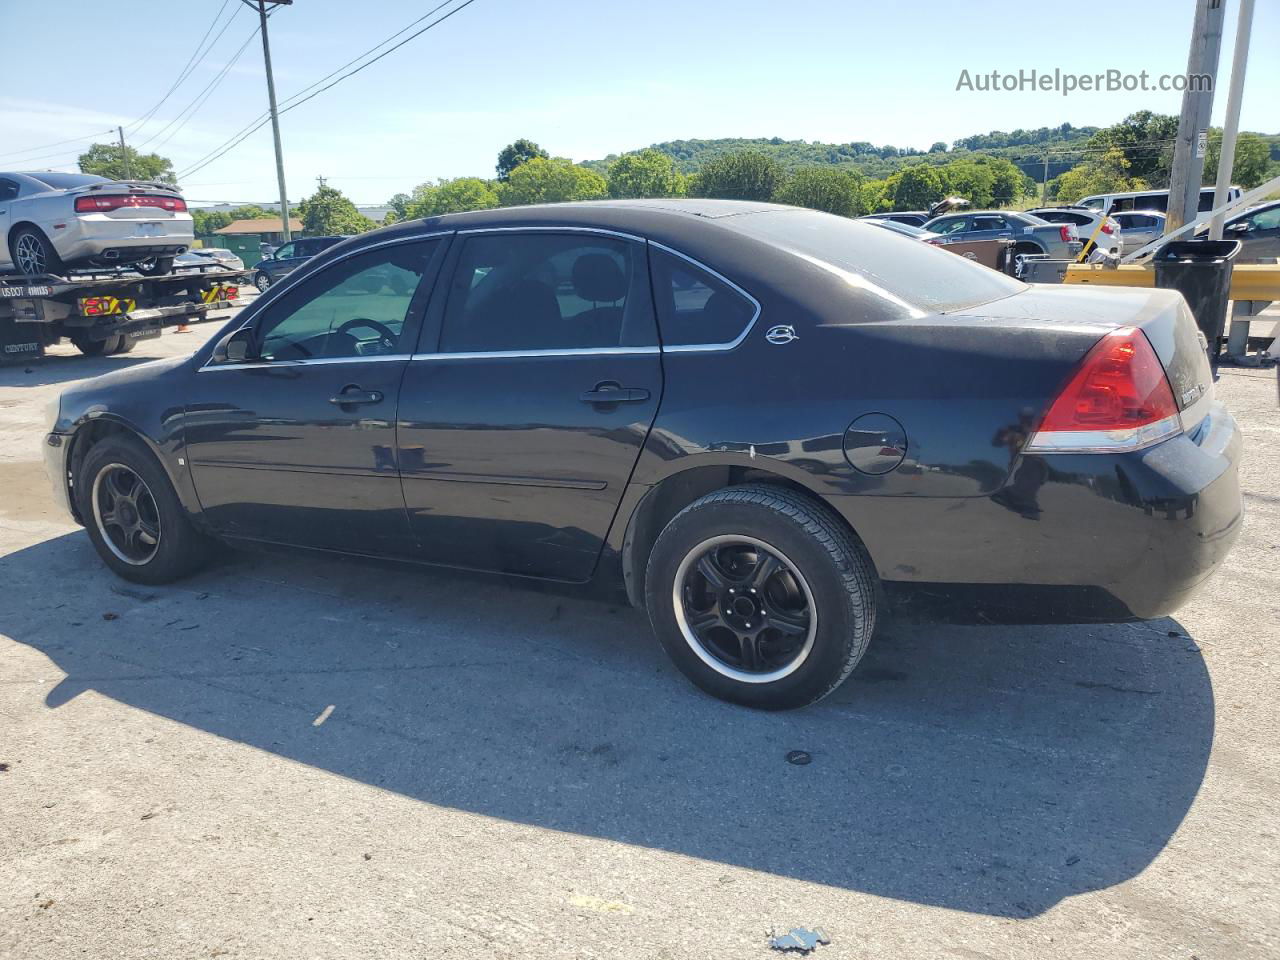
x=529, y=292
x=8, y=190
x=694, y=307
x=356, y=307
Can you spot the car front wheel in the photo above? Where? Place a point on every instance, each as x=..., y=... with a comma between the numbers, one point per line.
x=261, y=281
x=134, y=517
x=761, y=596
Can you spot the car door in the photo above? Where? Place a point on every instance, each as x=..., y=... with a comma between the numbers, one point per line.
x=287, y=257
x=8, y=193
x=523, y=415
x=988, y=226
x=297, y=444
x=951, y=229
x=1259, y=233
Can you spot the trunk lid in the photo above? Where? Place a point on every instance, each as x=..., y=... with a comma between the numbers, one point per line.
x=1162, y=315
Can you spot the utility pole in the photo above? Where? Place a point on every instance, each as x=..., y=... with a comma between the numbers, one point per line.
x=1044, y=184
x=1193, y=123
x=261, y=7
x=124, y=155
x=1231, y=124
x=321, y=181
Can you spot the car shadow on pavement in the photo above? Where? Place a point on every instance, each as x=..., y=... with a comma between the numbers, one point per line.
x=989, y=769
x=48, y=370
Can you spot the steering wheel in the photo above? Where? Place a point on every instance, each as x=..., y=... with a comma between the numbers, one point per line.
x=386, y=335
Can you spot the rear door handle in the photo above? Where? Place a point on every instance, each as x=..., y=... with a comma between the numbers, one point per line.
x=614, y=393
x=352, y=394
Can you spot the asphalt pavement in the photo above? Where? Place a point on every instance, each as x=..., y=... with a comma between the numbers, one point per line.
x=302, y=757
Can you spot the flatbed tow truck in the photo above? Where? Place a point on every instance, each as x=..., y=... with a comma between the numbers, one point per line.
x=107, y=312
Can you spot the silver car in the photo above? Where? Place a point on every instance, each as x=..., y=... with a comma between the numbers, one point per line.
x=53, y=221
x=1139, y=227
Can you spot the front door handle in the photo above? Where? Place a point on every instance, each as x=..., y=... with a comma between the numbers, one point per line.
x=613, y=392
x=353, y=394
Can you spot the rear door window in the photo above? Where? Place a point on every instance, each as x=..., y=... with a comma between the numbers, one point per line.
x=540, y=291
x=695, y=307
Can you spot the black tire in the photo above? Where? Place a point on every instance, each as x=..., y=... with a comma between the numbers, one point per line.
x=262, y=281
x=98, y=348
x=178, y=549
x=154, y=266
x=32, y=253
x=835, y=574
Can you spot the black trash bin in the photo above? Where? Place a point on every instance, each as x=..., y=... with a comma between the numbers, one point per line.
x=1201, y=271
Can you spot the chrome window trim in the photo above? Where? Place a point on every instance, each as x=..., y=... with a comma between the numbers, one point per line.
x=292, y=280
x=523, y=354
x=546, y=228
x=315, y=362
x=711, y=347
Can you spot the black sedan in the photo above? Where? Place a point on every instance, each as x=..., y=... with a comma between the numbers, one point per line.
x=750, y=415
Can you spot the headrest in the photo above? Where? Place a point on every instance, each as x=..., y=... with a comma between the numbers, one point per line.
x=597, y=277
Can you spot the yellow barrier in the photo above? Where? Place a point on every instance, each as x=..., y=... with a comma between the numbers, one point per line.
x=1249, y=281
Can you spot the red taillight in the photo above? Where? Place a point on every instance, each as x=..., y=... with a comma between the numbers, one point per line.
x=1119, y=399
x=1107, y=228
x=1068, y=234
x=100, y=204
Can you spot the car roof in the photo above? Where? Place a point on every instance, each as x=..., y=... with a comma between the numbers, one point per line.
x=662, y=220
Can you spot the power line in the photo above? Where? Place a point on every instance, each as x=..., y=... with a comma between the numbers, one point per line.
x=56, y=143
x=237, y=139
x=192, y=63
x=201, y=98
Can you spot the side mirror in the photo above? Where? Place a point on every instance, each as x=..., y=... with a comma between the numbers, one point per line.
x=1241, y=227
x=236, y=347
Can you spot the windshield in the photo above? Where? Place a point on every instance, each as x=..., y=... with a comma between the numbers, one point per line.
x=925, y=277
x=63, y=181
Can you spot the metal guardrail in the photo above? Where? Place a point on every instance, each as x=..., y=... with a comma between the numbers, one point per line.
x=1249, y=281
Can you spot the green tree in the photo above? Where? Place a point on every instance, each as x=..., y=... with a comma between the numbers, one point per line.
x=451, y=196
x=1109, y=173
x=514, y=154
x=938, y=147
x=1146, y=140
x=554, y=180
x=109, y=160
x=833, y=189
x=1252, y=159
x=914, y=187
x=328, y=211
x=874, y=197
x=741, y=175
x=399, y=205
x=649, y=173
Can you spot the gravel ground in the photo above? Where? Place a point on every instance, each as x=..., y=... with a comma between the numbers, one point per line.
x=312, y=758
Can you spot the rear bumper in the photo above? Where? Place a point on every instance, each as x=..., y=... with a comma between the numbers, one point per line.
x=1111, y=537
x=96, y=235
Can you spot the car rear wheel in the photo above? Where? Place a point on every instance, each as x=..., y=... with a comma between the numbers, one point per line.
x=33, y=254
x=134, y=517
x=261, y=281
x=761, y=596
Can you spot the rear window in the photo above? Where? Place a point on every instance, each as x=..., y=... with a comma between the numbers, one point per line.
x=903, y=273
x=64, y=181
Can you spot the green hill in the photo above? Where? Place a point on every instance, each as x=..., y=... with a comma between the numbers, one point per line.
x=1025, y=148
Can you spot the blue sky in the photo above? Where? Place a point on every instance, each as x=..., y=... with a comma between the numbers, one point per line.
x=584, y=79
